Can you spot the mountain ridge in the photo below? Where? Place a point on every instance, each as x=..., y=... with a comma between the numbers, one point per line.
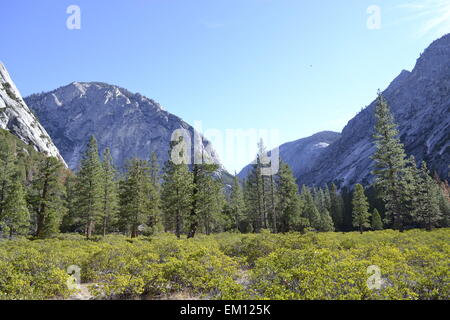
x=420, y=103
x=130, y=124
x=17, y=118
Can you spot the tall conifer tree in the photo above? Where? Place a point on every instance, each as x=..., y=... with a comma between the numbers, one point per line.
x=110, y=196
x=47, y=197
x=176, y=195
x=361, y=213
x=390, y=165
x=90, y=188
x=237, y=205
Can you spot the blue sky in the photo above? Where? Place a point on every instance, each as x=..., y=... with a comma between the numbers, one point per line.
x=295, y=66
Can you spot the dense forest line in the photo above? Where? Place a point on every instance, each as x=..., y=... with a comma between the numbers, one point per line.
x=39, y=197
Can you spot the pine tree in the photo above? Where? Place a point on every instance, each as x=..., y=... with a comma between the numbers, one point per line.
x=15, y=216
x=206, y=206
x=310, y=209
x=444, y=201
x=90, y=188
x=252, y=197
x=176, y=194
x=154, y=170
x=263, y=184
x=326, y=222
x=327, y=198
x=73, y=221
x=427, y=211
x=110, y=197
x=210, y=201
x=319, y=199
x=155, y=221
x=336, y=207
x=47, y=197
x=390, y=165
x=361, y=213
x=7, y=171
x=136, y=205
x=289, y=206
x=376, y=223
x=237, y=205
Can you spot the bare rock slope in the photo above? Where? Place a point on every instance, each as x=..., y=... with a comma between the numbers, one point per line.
x=130, y=124
x=17, y=118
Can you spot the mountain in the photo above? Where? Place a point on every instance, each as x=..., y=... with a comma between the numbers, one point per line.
x=302, y=153
x=130, y=124
x=17, y=118
x=420, y=102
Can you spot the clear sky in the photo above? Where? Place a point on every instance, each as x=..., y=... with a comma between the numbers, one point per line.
x=291, y=65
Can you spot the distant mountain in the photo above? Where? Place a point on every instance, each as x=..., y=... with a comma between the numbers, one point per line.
x=16, y=118
x=420, y=102
x=301, y=154
x=130, y=124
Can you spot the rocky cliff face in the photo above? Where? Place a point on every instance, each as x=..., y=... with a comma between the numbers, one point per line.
x=130, y=124
x=16, y=117
x=420, y=102
x=301, y=154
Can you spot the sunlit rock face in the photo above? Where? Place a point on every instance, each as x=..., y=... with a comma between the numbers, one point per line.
x=420, y=102
x=301, y=154
x=130, y=124
x=16, y=117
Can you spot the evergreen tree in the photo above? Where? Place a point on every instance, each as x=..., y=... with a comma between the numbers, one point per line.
x=206, y=203
x=361, y=213
x=326, y=222
x=209, y=202
x=427, y=211
x=15, y=217
x=444, y=201
x=47, y=197
x=310, y=210
x=263, y=184
x=390, y=165
x=110, y=197
x=327, y=198
x=376, y=222
x=289, y=205
x=176, y=194
x=237, y=205
x=73, y=221
x=336, y=207
x=7, y=171
x=319, y=199
x=154, y=170
x=136, y=205
x=252, y=197
x=155, y=222
x=90, y=188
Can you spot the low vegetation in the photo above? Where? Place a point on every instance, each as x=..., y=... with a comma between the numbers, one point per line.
x=413, y=265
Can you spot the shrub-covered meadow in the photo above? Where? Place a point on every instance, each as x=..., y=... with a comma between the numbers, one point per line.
x=413, y=265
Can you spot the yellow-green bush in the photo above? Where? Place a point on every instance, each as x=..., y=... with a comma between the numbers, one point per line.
x=413, y=265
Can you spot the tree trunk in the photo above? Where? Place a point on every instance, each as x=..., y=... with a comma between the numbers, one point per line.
x=178, y=225
x=104, y=225
x=258, y=192
x=194, y=220
x=42, y=209
x=274, y=216
x=134, y=231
